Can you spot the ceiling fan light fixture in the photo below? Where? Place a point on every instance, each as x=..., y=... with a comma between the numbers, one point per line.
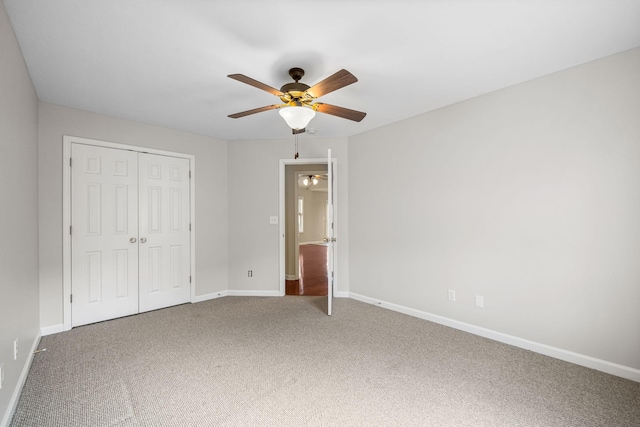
x=297, y=117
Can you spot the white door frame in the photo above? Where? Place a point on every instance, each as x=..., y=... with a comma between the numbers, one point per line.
x=282, y=225
x=66, y=211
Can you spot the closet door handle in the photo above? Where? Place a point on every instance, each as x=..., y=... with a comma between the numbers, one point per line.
x=143, y=240
x=132, y=240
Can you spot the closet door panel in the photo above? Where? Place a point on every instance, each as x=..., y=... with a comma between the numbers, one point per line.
x=165, y=256
x=104, y=220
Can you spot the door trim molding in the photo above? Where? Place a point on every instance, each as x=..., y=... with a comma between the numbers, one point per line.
x=282, y=215
x=67, y=140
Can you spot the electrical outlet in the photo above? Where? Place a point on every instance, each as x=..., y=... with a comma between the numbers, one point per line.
x=273, y=220
x=250, y=273
x=451, y=294
x=479, y=301
x=15, y=349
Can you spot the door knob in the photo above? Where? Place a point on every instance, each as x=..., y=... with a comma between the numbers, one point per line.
x=143, y=240
x=132, y=240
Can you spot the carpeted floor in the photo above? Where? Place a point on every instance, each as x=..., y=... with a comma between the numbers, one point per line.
x=247, y=361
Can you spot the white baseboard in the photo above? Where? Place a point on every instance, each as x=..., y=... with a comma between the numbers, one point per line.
x=253, y=293
x=23, y=377
x=291, y=277
x=558, y=353
x=207, y=297
x=50, y=330
x=341, y=294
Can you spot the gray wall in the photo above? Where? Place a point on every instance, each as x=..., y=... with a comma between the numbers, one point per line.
x=529, y=196
x=254, y=197
x=18, y=212
x=315, y=221
x=211, y=194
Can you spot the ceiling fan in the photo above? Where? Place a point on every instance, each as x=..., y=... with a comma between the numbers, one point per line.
x=311, y=179
x=299, y=106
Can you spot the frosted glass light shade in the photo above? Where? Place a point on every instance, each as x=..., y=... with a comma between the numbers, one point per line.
x=297, y=117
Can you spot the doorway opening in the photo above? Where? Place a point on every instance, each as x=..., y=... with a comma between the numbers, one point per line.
x=305, y=219
x=304, y=212
x=310, y=199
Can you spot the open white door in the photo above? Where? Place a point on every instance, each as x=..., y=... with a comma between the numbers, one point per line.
x=330, y=233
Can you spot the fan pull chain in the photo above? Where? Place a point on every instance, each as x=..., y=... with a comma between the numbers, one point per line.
x=296, y=145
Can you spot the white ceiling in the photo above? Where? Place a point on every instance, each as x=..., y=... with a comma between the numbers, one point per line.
x=165, y=62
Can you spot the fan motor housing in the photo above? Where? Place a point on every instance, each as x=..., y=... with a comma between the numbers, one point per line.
x=295, y=90
x=292, y=88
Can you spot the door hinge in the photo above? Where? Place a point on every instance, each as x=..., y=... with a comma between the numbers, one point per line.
x=189, y=226
x=71, y=298
x=189, y=279
x=70, y=229
x=189, y=174
x=70, y=162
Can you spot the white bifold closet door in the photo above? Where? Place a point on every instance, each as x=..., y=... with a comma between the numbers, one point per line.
x=130, y=249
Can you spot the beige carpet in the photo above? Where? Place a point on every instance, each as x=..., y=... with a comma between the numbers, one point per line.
x=245, y=361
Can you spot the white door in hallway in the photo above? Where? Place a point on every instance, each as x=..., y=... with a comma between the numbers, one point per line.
x=331, y=239
x=164, y=232
x=104, y=218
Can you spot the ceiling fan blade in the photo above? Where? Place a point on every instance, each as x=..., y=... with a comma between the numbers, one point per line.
x=334, y=82
x=255, y=110
x=248, y=80
x=345, y=113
